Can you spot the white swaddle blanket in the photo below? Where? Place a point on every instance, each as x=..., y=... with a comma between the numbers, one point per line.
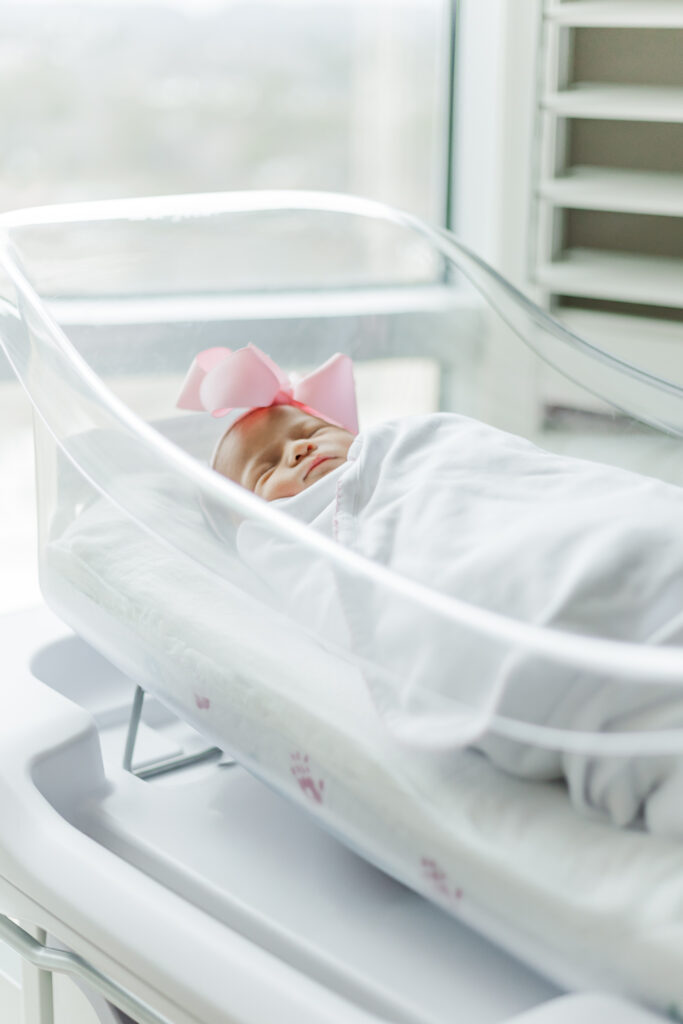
x=489, y=518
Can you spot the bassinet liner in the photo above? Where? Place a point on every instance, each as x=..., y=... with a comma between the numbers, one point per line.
x=583, y=902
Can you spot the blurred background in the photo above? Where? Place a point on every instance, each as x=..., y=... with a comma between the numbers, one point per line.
x=105, y=99
x=548, y=134
x=111, y=98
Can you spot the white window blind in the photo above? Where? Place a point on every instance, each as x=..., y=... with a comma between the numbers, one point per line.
x=606, y=250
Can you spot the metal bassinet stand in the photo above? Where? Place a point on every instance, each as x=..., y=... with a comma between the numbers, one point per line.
x=165, y=764
x=50, y=960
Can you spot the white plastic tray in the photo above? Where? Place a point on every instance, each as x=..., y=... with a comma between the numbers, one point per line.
x=206, y=894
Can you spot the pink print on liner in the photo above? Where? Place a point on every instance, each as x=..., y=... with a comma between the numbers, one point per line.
x=202, y=702
x=301, y=770
x=438, y=879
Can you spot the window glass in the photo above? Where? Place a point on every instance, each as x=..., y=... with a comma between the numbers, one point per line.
x=106, y=98
x=112, y=98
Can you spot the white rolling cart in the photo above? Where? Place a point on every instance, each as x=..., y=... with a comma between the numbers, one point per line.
x=201, y=897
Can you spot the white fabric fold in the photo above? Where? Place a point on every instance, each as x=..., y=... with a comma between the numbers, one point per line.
x=489, y=518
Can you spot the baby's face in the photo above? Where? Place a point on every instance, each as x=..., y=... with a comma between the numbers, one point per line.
x=279, y=451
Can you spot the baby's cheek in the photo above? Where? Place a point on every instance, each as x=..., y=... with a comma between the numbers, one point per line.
x=284, y=490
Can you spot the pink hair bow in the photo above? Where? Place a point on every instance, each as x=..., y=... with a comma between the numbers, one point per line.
x=220, y=380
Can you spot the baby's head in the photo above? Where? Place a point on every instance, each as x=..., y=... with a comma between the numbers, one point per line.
x=279, y=450
x=292, y=434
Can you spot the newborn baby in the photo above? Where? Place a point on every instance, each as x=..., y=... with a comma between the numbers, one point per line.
x=278, y=451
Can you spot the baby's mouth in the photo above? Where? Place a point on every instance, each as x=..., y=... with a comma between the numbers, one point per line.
x=316, y=462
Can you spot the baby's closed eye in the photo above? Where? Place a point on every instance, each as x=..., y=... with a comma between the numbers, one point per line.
x=259, y=476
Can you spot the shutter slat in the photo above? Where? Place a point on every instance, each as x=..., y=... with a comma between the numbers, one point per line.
x=618, y=189
x=617, y=276
x=617, y=102
x=618, y=13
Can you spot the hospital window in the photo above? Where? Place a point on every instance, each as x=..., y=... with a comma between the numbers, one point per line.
x=110, y=98
x=114, y=98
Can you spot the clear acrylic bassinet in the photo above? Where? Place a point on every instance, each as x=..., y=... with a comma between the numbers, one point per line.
x=105, y=305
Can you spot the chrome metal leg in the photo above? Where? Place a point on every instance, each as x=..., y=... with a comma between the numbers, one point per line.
x=36, y=987
x=48, y=960
x=167, y=764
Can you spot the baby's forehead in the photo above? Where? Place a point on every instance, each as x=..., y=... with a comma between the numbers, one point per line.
x=262, y=425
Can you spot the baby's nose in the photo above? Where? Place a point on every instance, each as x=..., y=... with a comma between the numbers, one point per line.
x=302, y=448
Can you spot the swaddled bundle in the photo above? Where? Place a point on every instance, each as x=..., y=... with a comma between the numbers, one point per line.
x=559, y=542
x=492, y=520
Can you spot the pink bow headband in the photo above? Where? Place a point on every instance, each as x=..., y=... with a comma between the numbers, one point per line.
x=220, y=380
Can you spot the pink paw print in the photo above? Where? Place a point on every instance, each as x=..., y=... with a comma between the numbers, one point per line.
x=301, y=770
x=202, y=702
x=438, y=879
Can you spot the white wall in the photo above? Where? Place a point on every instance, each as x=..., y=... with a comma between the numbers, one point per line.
x=497, y=54
x=497, y=43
